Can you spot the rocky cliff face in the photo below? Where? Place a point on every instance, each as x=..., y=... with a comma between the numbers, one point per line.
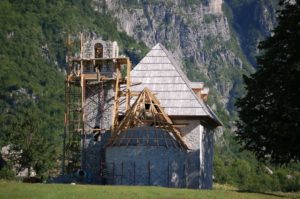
x=198, y=32
x=253, y=21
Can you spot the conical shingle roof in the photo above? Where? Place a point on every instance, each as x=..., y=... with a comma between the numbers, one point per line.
x=159, y=72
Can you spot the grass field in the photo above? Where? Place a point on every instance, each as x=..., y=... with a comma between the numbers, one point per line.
x=15, y=190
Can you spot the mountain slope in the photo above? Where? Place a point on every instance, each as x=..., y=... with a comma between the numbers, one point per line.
x=197, y=32
x=253, y=21
x=33, y=55
x=216, y=41
x=211, y=37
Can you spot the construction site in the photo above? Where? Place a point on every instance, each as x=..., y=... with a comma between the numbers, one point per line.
x=142, y=125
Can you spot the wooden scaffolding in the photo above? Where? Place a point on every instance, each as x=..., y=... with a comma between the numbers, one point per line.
x=77, y=83
x=146, y=111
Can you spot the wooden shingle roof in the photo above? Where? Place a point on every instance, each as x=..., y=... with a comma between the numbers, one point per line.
x=159, y=72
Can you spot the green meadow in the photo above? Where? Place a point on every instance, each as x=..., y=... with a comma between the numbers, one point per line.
x=15, y=190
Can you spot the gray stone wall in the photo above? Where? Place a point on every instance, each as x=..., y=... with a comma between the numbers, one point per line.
x=206, y=171
x=200, y=157
x=96, y=114
x=154, y=165
x=93, y=151
x=110, y=49
x=193, y=169
x=146, y=165
x=92, y=159
x=191, y=133
x=161, y=166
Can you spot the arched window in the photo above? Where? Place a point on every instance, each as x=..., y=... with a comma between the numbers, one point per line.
x=98, y=50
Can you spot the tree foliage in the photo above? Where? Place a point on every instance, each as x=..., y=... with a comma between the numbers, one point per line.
x=269, y=122
x=31, y=146
x=32, y=61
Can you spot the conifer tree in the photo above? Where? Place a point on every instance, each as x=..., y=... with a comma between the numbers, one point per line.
x=269, y=123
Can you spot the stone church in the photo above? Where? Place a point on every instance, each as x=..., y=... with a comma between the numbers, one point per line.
x=148, y=154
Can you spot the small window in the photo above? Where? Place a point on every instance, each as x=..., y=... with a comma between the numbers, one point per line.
x=147, y=106
x=98, y=50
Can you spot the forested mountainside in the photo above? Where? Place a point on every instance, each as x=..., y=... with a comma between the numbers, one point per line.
x=33, y=60
x=199, y=35
x=215, y=40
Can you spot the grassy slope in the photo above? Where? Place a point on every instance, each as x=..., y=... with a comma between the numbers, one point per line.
x=21, y=190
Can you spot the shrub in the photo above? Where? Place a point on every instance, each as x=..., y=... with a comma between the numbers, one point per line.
x=7, y=174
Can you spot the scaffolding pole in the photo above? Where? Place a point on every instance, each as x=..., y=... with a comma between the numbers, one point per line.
x=80, y=106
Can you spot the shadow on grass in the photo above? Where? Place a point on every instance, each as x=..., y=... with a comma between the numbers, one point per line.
x=263, y=193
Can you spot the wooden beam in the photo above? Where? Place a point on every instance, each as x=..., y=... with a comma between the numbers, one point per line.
x=115, y=114
x=128, y=83
x=134, y=116
x=118, y=60
x=159, y=107
x=81, y=53
x=83, y=93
